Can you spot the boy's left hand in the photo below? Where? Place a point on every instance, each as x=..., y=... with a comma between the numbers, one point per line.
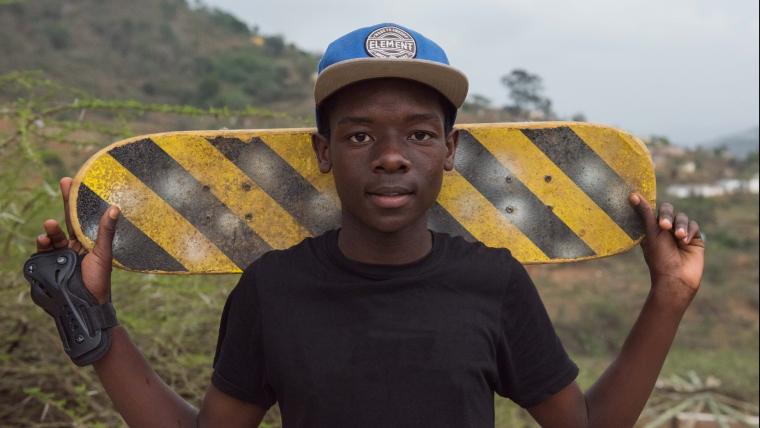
x=673, y=249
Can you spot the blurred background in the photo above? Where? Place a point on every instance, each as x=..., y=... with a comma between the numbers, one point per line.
x=682, y=76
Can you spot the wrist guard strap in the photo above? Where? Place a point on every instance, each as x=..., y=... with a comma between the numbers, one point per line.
x=57, y=287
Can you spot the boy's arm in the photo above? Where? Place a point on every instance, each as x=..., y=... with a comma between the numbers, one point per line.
x=137, y=392
x=674, y=251
x=144, y=400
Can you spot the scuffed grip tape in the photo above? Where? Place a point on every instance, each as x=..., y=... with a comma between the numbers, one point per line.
x=57, y=287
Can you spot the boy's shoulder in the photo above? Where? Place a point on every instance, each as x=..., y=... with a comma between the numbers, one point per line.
x=303, y=252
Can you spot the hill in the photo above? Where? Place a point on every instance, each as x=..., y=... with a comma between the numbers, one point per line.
x=155, y=51
x=739, y=144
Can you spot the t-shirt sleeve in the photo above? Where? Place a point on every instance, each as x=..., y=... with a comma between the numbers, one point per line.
x=532, y=362
x=239, y=368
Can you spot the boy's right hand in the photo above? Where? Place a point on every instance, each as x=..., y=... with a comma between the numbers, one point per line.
x=96, y=265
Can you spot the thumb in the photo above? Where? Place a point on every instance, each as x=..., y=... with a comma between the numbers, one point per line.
x=644, y=210
x=106, y=230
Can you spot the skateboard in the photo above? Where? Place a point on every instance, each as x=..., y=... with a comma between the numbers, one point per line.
x=199, y=202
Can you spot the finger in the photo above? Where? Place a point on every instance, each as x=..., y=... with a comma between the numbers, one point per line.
x=681, y=226
x=43, y=244
x=665, y=216
x=695, y=235
x=106, y=230
x=65, y=185
x=77, y=246
x=645, y=212
x=55, y=234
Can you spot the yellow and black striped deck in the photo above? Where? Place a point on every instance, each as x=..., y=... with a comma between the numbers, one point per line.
x=213, y=201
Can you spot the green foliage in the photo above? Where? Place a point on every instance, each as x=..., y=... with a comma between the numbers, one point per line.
x=228, y=21
x=58, y=36
x=208, y=88
x=235, y=77
x=526, y=91
x=476, y=102
x=155, y=51
x=169, y=8
x=659, y=140
x=275, y=45
x=578, y=117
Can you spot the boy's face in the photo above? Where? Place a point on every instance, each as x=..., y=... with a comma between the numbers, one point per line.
x=387, y=150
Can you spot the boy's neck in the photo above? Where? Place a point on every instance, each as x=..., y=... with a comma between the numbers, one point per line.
x=363, y=244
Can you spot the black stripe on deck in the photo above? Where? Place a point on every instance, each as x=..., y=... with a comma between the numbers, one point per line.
x=194, y=201
x=516, y=202
x=590, y=173
x=315, y=211
x=131, y=247
x=441, y=221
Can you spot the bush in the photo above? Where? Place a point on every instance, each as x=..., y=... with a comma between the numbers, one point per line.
x=58, y=36
x=207, y=89
x=229, y=22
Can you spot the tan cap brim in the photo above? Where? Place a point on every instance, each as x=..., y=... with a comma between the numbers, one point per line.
x=447, y=80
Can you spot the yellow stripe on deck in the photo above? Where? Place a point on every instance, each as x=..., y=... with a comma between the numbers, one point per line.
x=155, y=218
x=296, y=150
x=235, y=189
x=623, y=153
x=568, y=202
x=484, y=221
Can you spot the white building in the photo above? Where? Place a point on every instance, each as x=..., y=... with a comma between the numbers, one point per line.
x=722, y=187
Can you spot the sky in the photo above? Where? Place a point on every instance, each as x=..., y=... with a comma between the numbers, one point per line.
x=685, y=69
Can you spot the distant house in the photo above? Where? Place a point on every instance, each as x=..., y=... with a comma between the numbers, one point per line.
x=662, y=153
x=722, y=187
x=687, y=168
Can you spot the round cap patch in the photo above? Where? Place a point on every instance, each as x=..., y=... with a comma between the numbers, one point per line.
x=391, y=42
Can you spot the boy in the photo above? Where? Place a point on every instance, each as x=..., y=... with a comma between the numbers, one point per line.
x=383, y=322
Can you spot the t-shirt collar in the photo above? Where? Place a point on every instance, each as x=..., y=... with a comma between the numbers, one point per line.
x=383, y=271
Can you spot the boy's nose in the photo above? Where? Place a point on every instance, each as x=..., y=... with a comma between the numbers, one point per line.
x=390, y=157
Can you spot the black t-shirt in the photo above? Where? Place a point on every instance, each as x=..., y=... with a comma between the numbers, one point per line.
x=341, y=343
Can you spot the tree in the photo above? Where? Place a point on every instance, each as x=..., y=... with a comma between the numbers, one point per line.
x=579, y=117
x=526, y=91
x=477, y=103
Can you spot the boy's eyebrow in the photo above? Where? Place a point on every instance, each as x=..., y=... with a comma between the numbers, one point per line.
x=421, y=117
x=354, y=119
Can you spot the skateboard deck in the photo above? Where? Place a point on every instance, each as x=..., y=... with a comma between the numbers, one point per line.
x=213, y=201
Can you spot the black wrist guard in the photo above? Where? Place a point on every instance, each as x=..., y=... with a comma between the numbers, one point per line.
x=57, y=287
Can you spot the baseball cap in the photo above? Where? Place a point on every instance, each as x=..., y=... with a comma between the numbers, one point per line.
x=388, y=50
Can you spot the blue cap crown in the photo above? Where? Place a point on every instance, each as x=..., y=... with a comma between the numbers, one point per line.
x=383, y=41
x=388, y=51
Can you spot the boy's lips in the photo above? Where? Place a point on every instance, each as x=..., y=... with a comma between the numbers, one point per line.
x=390, y=196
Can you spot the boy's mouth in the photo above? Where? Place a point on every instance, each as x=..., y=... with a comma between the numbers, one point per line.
x=390, y=196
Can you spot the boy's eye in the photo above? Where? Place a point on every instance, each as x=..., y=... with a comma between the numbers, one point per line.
x=360, y=137
x=420, y=136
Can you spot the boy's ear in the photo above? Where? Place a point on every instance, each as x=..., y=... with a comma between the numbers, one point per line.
x=321, y=146
x=452, y=141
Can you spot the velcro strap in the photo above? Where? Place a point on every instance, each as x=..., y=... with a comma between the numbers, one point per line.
x=102, y=317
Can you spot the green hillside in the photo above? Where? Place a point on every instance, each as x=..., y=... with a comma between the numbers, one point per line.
x=155, y=51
